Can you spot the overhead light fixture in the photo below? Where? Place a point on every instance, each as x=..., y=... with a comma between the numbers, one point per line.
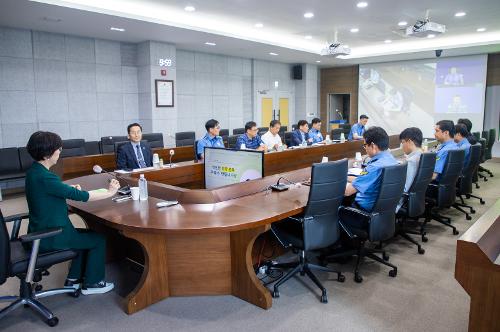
x=189, y=8
x=387, y=41
x=259, y=25
x=210, y=44
x=481, y=30
x=309, y=15
x=308, y=37
x=431, y=36
x=272, y=53
x=362, y=4
x=460, y=14
x=318, y=61
x=403, y=23
x=117, y=29
x=354, y=30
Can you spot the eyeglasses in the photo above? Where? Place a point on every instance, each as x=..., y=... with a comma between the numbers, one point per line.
x=254, y=129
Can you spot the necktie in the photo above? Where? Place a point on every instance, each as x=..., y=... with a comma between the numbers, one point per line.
x=140, y=158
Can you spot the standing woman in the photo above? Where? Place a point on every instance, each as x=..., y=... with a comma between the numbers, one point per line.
x=46, y=195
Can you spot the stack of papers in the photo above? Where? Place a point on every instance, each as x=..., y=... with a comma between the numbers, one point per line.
x=354, y=171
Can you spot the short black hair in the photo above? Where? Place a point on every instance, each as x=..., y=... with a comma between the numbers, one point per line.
x=249, y=125
x=413, y=134
x=363, y=116
x=210, y=124
x=316, y=120
x=461, y=129
x=43, y=144
x=274, y=123
x=135, y=124
x=377, y=136
x=447, y=125
x=301, y=123
x=467, y=123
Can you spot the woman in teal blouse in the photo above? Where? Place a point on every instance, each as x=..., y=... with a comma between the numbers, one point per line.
x=46, y=195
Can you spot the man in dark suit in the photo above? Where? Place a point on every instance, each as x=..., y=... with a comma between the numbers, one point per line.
x=301, y=134
x=135, y=154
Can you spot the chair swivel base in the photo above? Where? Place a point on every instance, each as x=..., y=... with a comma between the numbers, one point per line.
x=468, y=196
x=441, y=219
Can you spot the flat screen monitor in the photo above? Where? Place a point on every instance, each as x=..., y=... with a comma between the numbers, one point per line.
x=227, y=166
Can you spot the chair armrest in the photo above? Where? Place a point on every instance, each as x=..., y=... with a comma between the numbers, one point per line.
x=50, y=232
x=299, y=220
x=16, y=217
x=347, y=230
x=353, y=211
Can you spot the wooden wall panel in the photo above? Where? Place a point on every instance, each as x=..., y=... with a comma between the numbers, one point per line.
x=493, y=73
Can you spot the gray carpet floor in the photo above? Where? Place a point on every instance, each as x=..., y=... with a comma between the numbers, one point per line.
x=423, y=297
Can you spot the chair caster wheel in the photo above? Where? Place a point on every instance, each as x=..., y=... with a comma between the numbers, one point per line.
x=385, y=256
x=455, y=232
x=481, y=201
x=38, y=288
x=52, y=321
x=472, y=211
x=340, y=277
x=46, y=273
x=393, y=273
x=468, y=217
x=424, y=238
x=421, y=250
x=75, y=294
x=276, y=294
x=324, y=298
x=358, y=278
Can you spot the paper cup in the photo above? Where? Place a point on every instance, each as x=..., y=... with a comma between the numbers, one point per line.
x=324, y=159
x=134, y=191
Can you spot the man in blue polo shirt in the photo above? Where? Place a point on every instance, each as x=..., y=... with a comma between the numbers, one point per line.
x=461, y=134
x=367, y=185
x=444, y=131
x=315, y=132
x=211, y=138
x=358, y=129
x=251, y=138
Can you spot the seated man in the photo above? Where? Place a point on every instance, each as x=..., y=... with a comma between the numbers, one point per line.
x=358, y=129
x=211, y=138
x=301, y=134
x=460, y=138
x=471, y=138
x=444, y=131
x=411, y=141
x=137, y=154
x=251, y=138
x=367, y=185
x=272, y=138
x=315, y=132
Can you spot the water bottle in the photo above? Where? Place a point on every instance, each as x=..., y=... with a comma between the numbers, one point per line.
x=342, y=138
x=143, y=188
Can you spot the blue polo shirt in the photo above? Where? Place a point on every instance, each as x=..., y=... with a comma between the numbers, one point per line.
x=357, y=128
x=368, y=183
x=465, y=145
x=252, y=144
x=441, y=154
x=315, y=135
x=210, y=141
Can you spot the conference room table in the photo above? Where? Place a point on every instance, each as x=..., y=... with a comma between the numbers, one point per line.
x=203, y=245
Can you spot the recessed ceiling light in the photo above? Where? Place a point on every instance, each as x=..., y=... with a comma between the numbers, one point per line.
x=460, y=14
x=431, y=36
x=354, y=30
x=272, y=53
x=387, y=41
x=318, y=61
x=309, y=15
x=308, y=37
x=481, y=30
x=189, y=8
x=362, y=4
x=259, y=25
x=117, y=29
x=210, y=44
x=403, y=23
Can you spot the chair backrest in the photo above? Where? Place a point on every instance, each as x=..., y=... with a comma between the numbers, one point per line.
x=9, y=161
x=195, y=150
x=294, y=127
x=449, y=177
x=288, y=138
x=328, y=181
x=224, y=133
x=108, y=143
x=477, y=135
x=335, y=133
x=283, y=129
x=231, y=141
x=392, y=183
x=345, y=126
x=25, y=159
x=4, y=250
x=185, y=138
x=238, y=131
x=155, y=140
x=118, y=144
x=92, y=148
x=482, y=157
x=263, y=130
x=486, y=135
x=416, y=193
x=492, y=136
x=465, y=180
x=73, y=147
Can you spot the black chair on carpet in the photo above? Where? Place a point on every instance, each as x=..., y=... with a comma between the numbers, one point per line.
x=335, y=133
x=238, y=131
x=318, y=227
x=185, y=138
x=108, y=143
x=155, y=140
x=288, y=138
x=224, y=133
x=375, y=226
x=231, y=141
x=92, y=148
x=482, y=159
x=73, y=148
x=283, y=129
x=28, y=265
x=414, y=200
x=442, y=194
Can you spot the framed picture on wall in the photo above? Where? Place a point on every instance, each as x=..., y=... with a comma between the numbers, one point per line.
x=164, y=91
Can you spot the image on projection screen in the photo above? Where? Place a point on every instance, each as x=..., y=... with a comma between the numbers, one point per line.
x=419, y=93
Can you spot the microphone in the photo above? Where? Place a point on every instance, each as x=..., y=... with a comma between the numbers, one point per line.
x=280, y=186
x=171, y=152
x=125, y=190
x=340, y=114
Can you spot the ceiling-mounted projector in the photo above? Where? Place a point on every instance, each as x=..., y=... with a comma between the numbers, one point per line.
x=425, y=28
x=335, y=49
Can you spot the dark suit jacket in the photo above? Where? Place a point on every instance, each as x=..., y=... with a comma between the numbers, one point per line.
x=297, y=138
x=126, y=158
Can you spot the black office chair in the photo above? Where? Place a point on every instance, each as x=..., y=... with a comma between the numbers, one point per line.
x=185, y=138
x=16, y=261
x=283, y=129
x=263, y=130
x=108, y=143
x=345, y=126
x=414, y=200
x=464, y=183
x=118, y=144
x=73, y=148
x=10, y=165
x=288, y=138
x=155, y=140
x=490, y=140
x=442, y=194
x=238, y=131
x=195, y=150
x=224, y=133
x=231, y=141
x=92, y=148
x=294, y=127
x=475, y=174
x=318, y=227
x=482, y=159
x=375, y=226
x=335, y=133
